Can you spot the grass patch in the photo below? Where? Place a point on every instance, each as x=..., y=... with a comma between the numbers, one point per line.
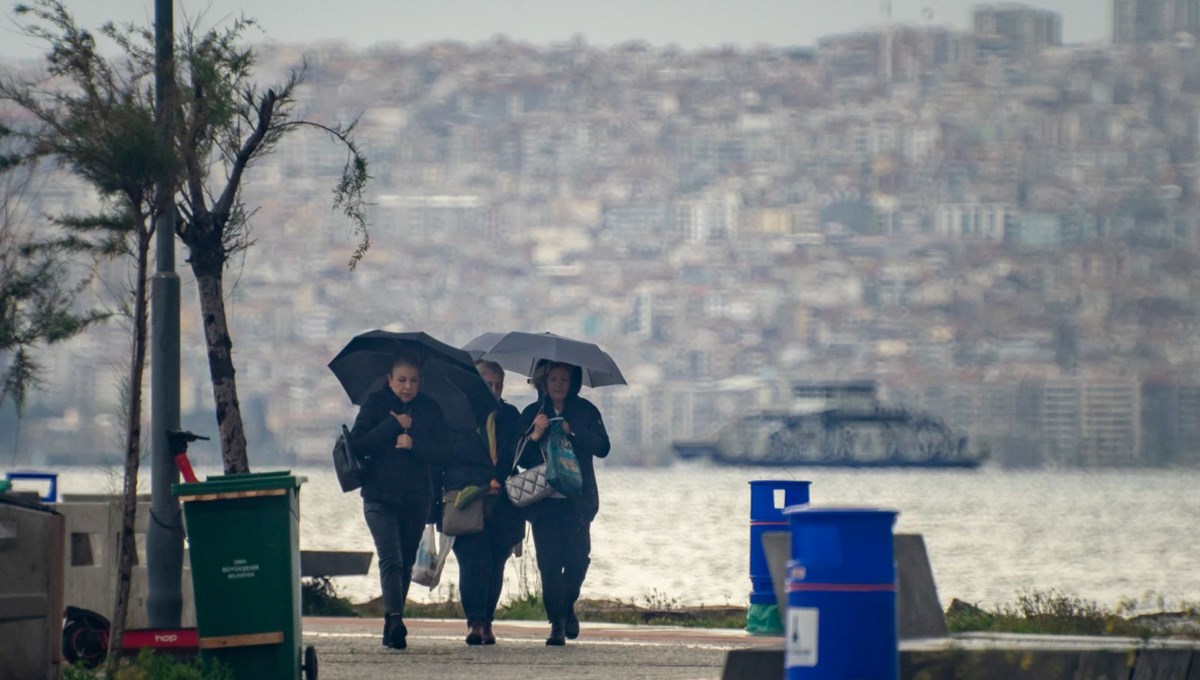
x=1052, y=612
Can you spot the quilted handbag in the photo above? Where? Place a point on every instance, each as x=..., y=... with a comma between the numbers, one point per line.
x=528, y=486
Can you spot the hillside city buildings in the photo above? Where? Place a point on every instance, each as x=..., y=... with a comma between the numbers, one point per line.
x=996, y=227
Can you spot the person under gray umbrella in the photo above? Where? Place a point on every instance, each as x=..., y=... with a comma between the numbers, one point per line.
x=558, y=367
x=562, y=526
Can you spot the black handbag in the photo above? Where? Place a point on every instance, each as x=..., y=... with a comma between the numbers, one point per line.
x=349, y=467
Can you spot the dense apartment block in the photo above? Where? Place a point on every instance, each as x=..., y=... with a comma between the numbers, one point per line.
x=1142, y=21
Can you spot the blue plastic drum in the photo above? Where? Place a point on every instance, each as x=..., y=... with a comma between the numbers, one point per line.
x=841, y=616
x=768, y=499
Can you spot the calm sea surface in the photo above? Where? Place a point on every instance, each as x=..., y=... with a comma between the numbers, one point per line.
x=680, y=535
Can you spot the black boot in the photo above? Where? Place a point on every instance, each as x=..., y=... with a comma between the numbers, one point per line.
x=395, y=633
x=557, y=636
x=489, y=637
x=572, y=624
x=474, y=633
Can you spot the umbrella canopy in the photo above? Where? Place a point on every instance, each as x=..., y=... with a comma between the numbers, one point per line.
x=518, y=351
x=448, y=374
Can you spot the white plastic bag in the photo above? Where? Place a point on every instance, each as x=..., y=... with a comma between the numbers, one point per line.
x=431, y=557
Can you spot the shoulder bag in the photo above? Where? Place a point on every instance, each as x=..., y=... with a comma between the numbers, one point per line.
x=348, y=467
x=462, y=521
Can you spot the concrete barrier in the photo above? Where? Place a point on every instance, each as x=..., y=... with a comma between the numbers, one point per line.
x=31, y=550
x=93, y=528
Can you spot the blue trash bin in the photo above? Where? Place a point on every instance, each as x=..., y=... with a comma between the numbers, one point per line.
x=841, y=616
x=768, y=499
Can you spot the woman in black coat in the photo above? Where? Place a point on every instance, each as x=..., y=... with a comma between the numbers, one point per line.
x=562, y=526
x=402, y=434
x=483, y=460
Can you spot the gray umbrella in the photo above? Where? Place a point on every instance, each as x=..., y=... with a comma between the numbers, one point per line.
x=519, y=352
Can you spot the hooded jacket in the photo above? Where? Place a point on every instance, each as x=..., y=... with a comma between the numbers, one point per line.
x=588, y=437
x=394, y=475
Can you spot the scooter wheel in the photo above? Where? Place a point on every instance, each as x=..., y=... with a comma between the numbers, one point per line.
x=310, y=663
x=84, y=644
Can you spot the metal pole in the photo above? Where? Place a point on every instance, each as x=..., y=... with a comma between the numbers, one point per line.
x=164, y=532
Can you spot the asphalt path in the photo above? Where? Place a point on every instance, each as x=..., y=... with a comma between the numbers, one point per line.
x=351, y=648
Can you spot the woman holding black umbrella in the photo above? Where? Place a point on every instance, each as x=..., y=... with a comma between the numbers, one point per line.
x=401, y=433
x=562, y=526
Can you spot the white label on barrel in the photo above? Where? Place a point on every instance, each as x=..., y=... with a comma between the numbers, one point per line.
x=801, y=637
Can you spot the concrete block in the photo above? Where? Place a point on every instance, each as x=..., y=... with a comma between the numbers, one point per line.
x=917, y=607
x=1162, y=664
x=1104, y=665
x=958, y=664
x=777, y=546
x=755, y=663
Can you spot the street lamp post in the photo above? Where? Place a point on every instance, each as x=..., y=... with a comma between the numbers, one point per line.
x=164, y=532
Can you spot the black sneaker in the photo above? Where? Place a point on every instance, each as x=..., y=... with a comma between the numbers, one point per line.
x=556, y=637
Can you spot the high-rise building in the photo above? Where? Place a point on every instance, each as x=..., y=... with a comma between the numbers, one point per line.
x=1138, y=21
x=1012, y=28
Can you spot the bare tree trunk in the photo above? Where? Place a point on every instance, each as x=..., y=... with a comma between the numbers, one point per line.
x=220, y=368
x=127, y=554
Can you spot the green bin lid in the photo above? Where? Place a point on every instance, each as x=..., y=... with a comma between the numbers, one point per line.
x=250, y=481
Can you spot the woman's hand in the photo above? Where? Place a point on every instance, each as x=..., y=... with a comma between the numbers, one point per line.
x=404, y=441
x=566, y=427
x=404, y=419
x=540, y=423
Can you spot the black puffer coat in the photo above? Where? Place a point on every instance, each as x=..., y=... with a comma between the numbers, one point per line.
x=394, y=474
x=588, y=436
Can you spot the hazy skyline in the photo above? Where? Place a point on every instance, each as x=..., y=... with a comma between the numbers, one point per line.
x=687, y=23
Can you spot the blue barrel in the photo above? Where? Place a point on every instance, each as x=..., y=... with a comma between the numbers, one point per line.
x=841, y=616
x=768, y=499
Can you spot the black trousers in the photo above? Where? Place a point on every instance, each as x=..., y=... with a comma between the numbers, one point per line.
x=396, y=530
x=480, y=573
x=563, y=542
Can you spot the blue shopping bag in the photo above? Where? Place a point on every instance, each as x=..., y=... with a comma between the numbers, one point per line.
x=562, y=467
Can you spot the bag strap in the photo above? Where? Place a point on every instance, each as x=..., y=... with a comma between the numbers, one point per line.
x=521, y=449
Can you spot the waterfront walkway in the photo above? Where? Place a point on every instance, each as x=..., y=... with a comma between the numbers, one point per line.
x=349, y=648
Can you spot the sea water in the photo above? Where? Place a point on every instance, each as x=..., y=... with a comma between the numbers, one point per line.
x=680, y=535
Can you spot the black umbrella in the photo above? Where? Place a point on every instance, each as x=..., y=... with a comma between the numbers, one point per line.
x=448, y=374
x=518, y=351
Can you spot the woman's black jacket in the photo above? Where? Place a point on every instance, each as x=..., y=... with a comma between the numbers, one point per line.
x=399, y=475
x=589, y=439
x=470, y=464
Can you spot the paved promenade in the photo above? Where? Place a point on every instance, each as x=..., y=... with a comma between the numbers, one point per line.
x=349, y=648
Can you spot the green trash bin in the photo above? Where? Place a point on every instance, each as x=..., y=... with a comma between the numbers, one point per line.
x=244, y=544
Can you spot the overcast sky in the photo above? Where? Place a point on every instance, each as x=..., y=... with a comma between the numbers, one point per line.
x=688, y=23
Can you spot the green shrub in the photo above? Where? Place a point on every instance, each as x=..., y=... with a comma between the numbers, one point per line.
x=318, y=597
x=151, y=666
